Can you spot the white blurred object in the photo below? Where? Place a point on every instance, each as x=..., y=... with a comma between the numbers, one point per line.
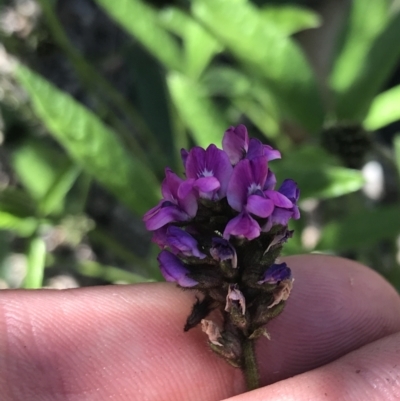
x=62, y=282
x=374, y=180
x=310, y=237
x=20, y=18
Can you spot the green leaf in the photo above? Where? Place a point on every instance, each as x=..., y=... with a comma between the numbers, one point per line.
x=267, y=52
x=354, y=100
x=142, y=22
x=36, y=263
x=38, y=165
x=385, y=109
x=46, y=173
x=290, y=19
x=196, y=110
x=22, y=226
x=396, y=144
x=361, y=230
x=366, y=20
x=315, y=174
x=199, y=45
x=249, y=95
x=58, y=191
x=17, y=202
x=90, y=143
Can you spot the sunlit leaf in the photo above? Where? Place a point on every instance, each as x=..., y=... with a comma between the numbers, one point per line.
x=374, y=69
x=359, y=230
x=142, y=22
x=199, y=45
x=385, y=109
x=290, y=19
x=58, y=191
x=90, y=143
x=37, y=166
x=197, y=110
x=365, y=21
x=22, y=226
x=267, y=52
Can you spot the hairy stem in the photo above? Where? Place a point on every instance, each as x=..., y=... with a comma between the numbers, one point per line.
x=250, y=369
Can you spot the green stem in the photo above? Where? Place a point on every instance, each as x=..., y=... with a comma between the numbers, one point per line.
x=250, y=369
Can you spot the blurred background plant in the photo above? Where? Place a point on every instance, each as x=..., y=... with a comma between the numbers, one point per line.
x=97, y=97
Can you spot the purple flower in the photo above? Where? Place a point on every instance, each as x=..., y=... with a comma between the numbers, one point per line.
x=276, y=273
x=245, y=194
x=183, y=243
x=179, y=202
x=242, y=225
x=223, y=250
x=282, y=213
x=174, y=270
x=237, y=145
x=290, y=189
x=210, y=169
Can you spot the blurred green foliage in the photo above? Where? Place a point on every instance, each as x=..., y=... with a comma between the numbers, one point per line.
x=218, y=62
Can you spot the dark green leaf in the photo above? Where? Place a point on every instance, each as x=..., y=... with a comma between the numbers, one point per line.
x=359, y=230
x=316, y=175
x=90, y=143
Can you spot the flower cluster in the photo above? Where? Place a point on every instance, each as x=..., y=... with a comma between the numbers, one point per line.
x=220, y=230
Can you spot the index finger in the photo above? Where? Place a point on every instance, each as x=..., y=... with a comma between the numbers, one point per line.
x=127, y=343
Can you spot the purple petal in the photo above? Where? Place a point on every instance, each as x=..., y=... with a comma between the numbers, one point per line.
x=218, y=162
x=248, y=177
x=235, y=143
x=259, y=169
x=187, y=198
x=256, y=149
x=207, y=186
x=195, y=162
x=162, y=215
x=290, y=190
x=174, y=270
x=160, y=237
x=278, y=199
x=278, y=217
x=212, y=162
x=223, y=250
x=270, y=182
x=181, y=242
x=238, y=185
x=276, y=273
x=271, y=153
x=170, y=185
x=259, y=206
x=242, y=225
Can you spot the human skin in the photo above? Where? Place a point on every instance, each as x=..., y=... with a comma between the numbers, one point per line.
x=337, y=339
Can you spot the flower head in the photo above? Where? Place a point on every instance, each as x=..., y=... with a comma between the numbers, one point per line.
x=220, y=230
